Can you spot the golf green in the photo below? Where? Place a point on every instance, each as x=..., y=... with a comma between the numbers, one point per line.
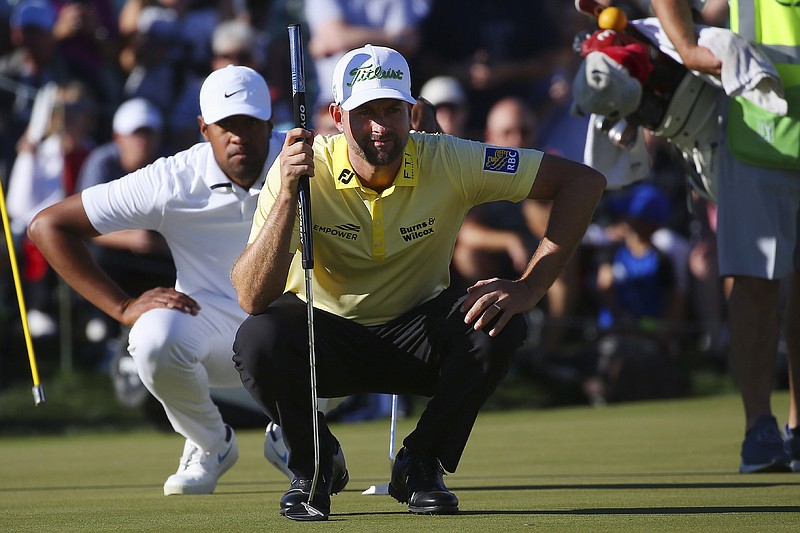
x=651, y=466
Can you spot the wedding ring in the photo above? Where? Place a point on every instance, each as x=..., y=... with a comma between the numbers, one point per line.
x=499, y=309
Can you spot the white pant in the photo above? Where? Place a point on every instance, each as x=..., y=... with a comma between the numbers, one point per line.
x=179, y=356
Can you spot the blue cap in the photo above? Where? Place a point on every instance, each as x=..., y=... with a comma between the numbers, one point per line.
x=647, y=202
x=33, y=13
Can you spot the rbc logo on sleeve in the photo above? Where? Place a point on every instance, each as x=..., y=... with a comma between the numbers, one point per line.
x=500, y=160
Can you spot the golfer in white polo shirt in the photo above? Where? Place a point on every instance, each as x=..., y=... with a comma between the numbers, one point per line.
x=202, y=201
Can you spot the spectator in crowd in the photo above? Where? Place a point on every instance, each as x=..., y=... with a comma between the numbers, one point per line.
x=323, y=124
x=5, y=38
x=498, y=236
x=636, y=280
x=495, y=237
x=271, y=20
x=168, y=53
x=33, y=63
x=51, y=153
x=194, y=21
x=7, y=315
x=87, y=36
x=448, y=98
x=562, y=132
x=136, y=259
x=29, y=61
x=710, y=291
x=155, y=72
x=135, y=143
x=641, y=306
x=512, y=51
x=757, y=228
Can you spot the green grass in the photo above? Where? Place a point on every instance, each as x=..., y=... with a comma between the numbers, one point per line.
x=75, y=402
x=651, y=466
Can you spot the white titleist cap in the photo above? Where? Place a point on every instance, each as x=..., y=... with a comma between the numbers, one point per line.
x=135, y=114
x=234, y=90
x=370, y=73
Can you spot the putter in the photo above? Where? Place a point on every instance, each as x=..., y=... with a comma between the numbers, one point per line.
x=38, y=390
x=307, y=248
x=383, y=489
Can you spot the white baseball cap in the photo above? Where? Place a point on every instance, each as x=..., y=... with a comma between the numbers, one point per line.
x=234, y=90
x=604, y=87
x=443, y=90
x=370, y=73
x=158, y=21
x=233, y=35
x=135, y=114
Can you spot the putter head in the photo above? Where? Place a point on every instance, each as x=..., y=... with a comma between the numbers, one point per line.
x=305, y=512
x=377, y=490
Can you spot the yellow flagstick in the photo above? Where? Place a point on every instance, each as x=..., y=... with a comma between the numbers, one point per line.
x=38, y=390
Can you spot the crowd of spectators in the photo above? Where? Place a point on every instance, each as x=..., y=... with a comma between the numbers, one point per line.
x=68, y=69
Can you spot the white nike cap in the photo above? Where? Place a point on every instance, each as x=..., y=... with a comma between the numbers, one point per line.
x=135, y=114
x=443, y=90
x=234, y=90
x=370, y=73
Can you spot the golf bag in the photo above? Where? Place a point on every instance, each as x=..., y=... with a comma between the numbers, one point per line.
x=629, y=84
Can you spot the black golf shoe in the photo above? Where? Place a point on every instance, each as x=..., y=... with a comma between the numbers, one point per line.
x=294, y=503
x=417, y=480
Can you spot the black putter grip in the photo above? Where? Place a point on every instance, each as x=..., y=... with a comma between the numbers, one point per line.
x=301, y=121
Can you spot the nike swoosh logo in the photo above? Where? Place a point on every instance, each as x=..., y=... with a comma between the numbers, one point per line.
x=228, y=95
x=221, y=457
x=284, y=457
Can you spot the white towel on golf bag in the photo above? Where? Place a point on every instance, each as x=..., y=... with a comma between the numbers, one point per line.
x=620, y=166
x=746, y=71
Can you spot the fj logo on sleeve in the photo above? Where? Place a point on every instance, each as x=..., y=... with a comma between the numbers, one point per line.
x=346, y=176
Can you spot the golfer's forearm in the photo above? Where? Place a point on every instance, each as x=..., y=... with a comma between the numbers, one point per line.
x=543, y=269
x=571, y=212
x=259, y=274
x=70, y=258
x=258, y=277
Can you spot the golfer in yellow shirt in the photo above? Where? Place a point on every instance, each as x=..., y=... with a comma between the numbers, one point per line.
x=386, y=208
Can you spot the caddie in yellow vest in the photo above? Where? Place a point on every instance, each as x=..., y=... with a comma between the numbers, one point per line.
x=758, y=227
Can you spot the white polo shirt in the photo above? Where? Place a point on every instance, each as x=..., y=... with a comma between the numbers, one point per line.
x=204, y=217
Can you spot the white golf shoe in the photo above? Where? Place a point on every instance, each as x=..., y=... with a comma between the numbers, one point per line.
x=199, y=470
x=275, y=450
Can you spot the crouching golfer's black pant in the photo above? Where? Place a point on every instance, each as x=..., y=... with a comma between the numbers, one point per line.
x=428, y=351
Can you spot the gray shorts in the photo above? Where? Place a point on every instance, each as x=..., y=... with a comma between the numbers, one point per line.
x=758, y=223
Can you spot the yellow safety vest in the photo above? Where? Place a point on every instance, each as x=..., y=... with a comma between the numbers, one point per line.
x=756, y=136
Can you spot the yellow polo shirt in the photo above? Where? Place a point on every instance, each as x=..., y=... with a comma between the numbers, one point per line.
x=378, y=255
